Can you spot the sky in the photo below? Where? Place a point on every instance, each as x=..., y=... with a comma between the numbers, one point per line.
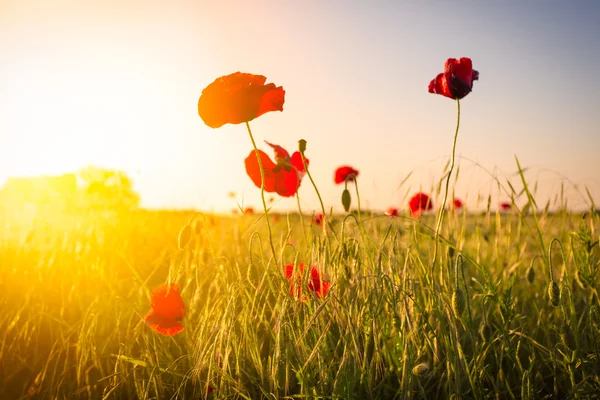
x=116, y=84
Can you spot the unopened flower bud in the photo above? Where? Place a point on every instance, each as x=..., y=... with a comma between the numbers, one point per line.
x=346, y=200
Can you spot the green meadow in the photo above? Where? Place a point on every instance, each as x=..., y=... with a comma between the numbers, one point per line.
x=508, y=308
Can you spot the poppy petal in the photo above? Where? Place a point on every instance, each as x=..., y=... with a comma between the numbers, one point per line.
x=253, y=170
x=164, y=326
x=238, y=97
x=166, y=301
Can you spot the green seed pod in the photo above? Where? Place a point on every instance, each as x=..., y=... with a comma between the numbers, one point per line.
x=301, y=145
x=458, y=302
x=554, y=294
x=530, y=275
x=185, y=234
x=421, y=369
x=346, y=200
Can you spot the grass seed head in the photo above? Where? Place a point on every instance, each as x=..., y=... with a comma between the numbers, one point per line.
x=185, y=234
x=554, y=294
x=458, y=302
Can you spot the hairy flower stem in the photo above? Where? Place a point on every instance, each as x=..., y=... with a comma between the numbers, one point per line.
x=440, y=218
x=262, y=191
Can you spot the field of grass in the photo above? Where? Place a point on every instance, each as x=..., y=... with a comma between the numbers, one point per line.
x=74, y=290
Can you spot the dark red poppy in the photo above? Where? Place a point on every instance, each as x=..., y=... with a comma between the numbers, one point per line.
x=457, y=79
x=316, y=284
x=167, y=310
x=420, y=202
x=458, y=204
x=283, y=176
x=392, y=212
x=505, y=206
x=237, y=98
x=318, y=219
x=343, y=173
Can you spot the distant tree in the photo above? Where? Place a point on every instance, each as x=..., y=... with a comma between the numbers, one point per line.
x=105, y=188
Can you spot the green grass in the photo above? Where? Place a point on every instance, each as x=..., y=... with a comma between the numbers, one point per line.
x=74, y=290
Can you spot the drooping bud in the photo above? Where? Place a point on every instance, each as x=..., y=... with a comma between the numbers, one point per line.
x=185, y=234
x=530, y=275
x=346, y=200
x=421, y=369
x=485, y=332
x=554, y=294
x=458, y=302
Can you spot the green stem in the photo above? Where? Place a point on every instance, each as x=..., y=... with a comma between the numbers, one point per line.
x=262, y=191
x=315, y=186
x=301, y=217
x=357, y=200
x=441, y=214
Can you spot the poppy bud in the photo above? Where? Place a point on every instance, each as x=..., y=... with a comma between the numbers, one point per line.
x=346, y=200
x=421, y=369
x=531, y=275
x=301, y=145
x=185, y=234
x=458, y=302
x=554, y=294
x=485, y=332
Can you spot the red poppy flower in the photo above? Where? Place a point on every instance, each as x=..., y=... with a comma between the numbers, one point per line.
x=505, y=206
x=392, y=212
x=249, y=211
x=283, y=176
x=318, y=219
x=420, y=202
x=458, y=204
x=167, y=310
x=237, y=98
x=457, y=79
x=343, y=173
x=317, y=284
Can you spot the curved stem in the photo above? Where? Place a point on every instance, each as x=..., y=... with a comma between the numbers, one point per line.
x=443, y=208
x=357, y=200
x=262, y=191
x=301, y=217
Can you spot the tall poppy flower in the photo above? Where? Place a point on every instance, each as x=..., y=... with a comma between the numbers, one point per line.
x=457, y=79
x=345, y=173
x=420, y=202
x=237, y=98
x=282, y=176
x=167, y=310
x=316, y=284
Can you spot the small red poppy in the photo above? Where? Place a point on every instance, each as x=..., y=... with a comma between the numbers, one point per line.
x=345, y=173
x=283, y=176
x=457, y=79
x=237, y=98
x=318, y=219
x=505, y=206
x=392, y=212
x=249, y=211
x=458, y=204
x=167, y=310
x=317, y=283
x=420, y=202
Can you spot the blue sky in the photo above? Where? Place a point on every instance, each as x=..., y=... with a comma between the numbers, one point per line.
x=117, y=85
